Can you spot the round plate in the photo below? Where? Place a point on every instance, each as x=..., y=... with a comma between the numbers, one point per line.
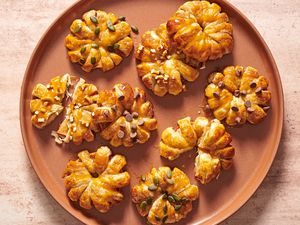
x=255, y=145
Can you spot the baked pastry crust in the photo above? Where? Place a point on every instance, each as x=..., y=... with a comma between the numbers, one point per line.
x=213, y=142
x=123, y=116
x=164, y=196
x=201, y=31
x=95, y=179
x=98, y=40
x=238, y=95
x=136, y=122
x=162, y=68
x=79, y=124
x=46, y=104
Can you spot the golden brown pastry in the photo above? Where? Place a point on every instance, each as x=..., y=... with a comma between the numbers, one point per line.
x=164, y=196
x=201, y=31
x=238, y=95
x=122, y=115
x=46, y=104
x=213, y=142
x=162, y=68
x=79, y=124
x=95, y=179
x=98, y=40
x=135, y=124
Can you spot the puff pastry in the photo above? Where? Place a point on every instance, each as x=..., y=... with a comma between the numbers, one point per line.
x=95, y=179
x=98, y=40
x=164, y=196
x=201, y=31
x=161, y=67
x=213, y=142
x=46, y=104
x=238, y=94
x=123, y=115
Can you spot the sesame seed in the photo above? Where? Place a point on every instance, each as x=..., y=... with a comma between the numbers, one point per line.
x=36, y=112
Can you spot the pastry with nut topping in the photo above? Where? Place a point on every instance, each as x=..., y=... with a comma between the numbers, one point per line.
x=238, y=95
x=46, y=104
x=211, y=139
x=123, y=115
x=201, y=31
x=79, y=124
x=164, y=195
x=162, y=68
x=95, y=179
x=99, y=40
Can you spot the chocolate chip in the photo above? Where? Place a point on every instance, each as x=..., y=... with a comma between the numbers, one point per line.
x=121, y=134
x=216, y=94
x=258, y=90
x=133, y=135
x=235, y=109
x=141, y=122
x=128, y=117
x=238, y=119
x=133, y=127
x=250, y=110
x=252, y=85
x=243, y=92
x=248, y=104
x=238, y=73
x=236, y=93
x=136, y=94
x=221, y=84
x=122, y=125
x=266, y=108
x=135, y=115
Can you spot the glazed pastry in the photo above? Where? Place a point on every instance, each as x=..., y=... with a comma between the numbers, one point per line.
x=122, y=115
x=164, y=196
x=98, y=40
x=162, y=68
x=213, y=142
x=95, y=179
x=238, y=95
x=201, y=31
x=46, y=104
x=135, y=124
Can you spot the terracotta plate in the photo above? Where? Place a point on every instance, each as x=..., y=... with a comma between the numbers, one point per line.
x=256, y=145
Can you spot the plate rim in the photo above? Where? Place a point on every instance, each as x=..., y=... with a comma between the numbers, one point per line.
x=224, y=213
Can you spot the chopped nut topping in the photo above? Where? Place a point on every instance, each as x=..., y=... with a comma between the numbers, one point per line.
x=216, y=94
x=141, y=122
x=41, y=120
x=121, y=134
